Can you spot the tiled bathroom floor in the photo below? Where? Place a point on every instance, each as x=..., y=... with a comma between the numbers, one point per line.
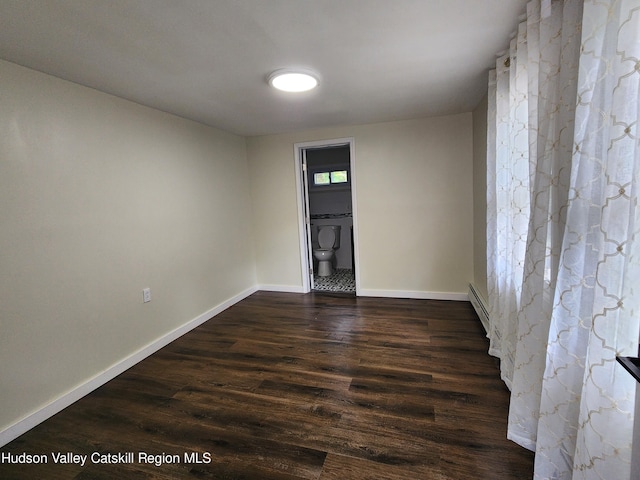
x=342, y=280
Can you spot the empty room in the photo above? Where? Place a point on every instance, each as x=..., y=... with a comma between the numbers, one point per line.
x=286, y=239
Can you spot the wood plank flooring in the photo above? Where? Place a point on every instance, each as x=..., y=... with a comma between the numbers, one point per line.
x=290, y=386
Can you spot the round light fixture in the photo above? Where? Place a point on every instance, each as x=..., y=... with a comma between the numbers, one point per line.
x=293, y=80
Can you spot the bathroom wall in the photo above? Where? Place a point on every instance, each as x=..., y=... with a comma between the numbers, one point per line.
x=414, y=203
x=101, y=198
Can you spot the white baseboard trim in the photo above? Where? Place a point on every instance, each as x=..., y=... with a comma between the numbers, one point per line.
x=413, y=294
x=62, y=402
x=282, y=288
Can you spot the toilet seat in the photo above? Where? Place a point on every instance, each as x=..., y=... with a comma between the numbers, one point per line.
x=326, y=238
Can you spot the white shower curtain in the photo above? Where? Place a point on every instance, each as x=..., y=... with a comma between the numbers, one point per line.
x=564, y=283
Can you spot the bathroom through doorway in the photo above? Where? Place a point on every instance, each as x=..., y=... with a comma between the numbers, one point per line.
x=328, y=225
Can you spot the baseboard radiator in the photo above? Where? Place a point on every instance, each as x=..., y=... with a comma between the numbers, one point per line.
x=479, y=306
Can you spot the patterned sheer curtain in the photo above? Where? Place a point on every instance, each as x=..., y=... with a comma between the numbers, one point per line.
x=554, y=46
x=508, y=199
x=567, y=302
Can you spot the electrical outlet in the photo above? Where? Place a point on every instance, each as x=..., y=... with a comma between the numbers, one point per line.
x=146, y=295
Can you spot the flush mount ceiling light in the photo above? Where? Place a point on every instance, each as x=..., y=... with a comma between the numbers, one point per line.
x=293, y=80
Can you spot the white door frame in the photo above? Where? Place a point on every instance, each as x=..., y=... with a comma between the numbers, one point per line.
x=306, y=252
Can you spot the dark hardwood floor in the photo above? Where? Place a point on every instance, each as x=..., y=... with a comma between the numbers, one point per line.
x=289, y=386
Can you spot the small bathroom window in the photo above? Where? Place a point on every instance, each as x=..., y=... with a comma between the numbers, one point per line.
x=322, y=178
x=339, y=176
x=329, y=178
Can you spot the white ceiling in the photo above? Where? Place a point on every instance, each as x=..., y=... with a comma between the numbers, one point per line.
x=207, y=60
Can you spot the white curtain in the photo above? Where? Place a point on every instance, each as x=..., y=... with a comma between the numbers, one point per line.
x=564, y=286
x=508, y=200
x=554, y=49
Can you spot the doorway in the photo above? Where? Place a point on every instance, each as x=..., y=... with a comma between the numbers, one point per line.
x=326, y=200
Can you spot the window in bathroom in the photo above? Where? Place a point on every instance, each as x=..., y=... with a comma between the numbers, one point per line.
x=322, y=178
x=339, y=176
x=329, y=178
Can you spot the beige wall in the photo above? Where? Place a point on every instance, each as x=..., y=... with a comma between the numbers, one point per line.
x=480, y=198
x=275, y=212
x=100, y=198
x=414, y=205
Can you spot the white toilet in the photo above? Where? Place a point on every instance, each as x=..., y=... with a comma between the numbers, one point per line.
x=328, y=242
